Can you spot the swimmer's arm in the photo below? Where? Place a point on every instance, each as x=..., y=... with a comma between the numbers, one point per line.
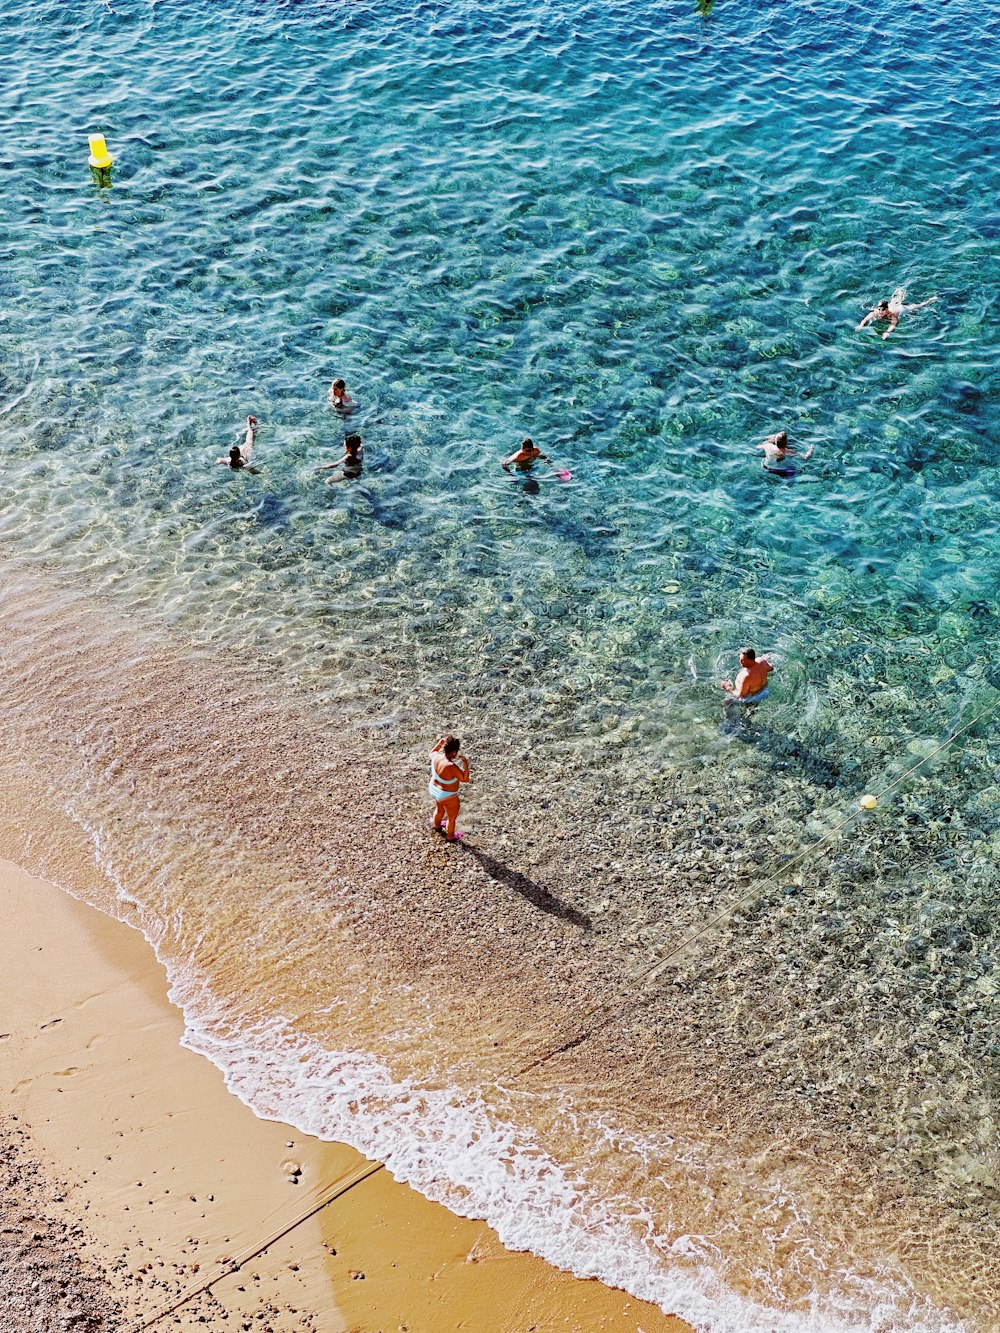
x=868, y=318
x=327, y=467
x=507, y=462
x=808, y=453
x=920, y=304
x=738, y=687
x=893, y=321
x=732, y=688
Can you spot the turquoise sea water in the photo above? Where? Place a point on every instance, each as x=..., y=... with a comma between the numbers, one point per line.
x=644, y=236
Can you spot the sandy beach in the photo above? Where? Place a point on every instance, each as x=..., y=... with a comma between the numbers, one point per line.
x=132, y=1177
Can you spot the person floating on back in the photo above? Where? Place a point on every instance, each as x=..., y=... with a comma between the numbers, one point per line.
x=241, y=456
x=351, y=464
x=776, y=450
x=891, y=310
x=449, y=770
x=340, y=399
x=750, y=685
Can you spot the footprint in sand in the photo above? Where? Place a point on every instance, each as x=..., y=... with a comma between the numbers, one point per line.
x=51, y=1023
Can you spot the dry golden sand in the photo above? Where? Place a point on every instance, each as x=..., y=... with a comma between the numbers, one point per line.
x=171, y=1176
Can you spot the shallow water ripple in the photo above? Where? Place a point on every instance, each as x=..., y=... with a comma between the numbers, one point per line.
x=644, y=237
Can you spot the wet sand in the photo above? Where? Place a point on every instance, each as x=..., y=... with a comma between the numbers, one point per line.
x=144, y=1179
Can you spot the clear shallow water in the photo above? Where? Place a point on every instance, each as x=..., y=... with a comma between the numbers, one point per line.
x=643, y=238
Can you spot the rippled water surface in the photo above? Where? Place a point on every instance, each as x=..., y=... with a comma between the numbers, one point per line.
x=643, y=235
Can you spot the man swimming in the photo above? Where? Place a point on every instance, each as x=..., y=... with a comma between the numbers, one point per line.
x=241, y=456
x=891, y=310
x=776, y=449
x=750, y=685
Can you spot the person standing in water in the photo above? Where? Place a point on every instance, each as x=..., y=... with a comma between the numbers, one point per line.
x=776, y=449
x=891, y=310
x=351, y=464
x=750, y=685
x=340, y=399
x=524, y=457
x=241, y=456
x=449, y=770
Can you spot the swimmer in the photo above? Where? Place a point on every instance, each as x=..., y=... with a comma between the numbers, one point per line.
x=526, y=456
x=241, y=456
x=350, y=464
x=776, y=449
x=449, y=770
x=891, y=310
x=750, y=685
x=340, y=399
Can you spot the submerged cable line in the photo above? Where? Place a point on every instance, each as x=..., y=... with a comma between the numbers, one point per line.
x=225, y=1270
x=756, y=891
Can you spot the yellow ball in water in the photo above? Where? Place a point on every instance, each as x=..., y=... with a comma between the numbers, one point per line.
x=868, y=802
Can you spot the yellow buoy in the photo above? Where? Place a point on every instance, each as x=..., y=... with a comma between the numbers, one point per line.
x=868, y=802
x=99, y=155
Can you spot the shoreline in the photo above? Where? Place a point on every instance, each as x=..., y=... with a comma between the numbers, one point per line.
x=459, y=970
x=172, y=1177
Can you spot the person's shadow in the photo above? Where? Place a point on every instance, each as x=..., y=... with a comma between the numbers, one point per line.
x=536, y=894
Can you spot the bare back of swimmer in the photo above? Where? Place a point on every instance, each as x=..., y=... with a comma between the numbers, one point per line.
x=751, y=679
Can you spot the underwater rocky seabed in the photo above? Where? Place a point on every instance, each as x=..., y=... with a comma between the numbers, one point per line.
x=581, y=249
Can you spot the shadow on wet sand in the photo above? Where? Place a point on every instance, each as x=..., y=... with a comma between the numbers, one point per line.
x=536, y=894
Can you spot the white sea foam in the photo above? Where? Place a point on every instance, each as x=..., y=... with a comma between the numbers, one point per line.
x=457, y=1148
x=454, y=1148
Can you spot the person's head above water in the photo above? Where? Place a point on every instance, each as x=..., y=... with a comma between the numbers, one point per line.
x=747, y=655
x=339, y=386
x=451, y=746
x=781, y=439
x=352, y=443
x=235, y=457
